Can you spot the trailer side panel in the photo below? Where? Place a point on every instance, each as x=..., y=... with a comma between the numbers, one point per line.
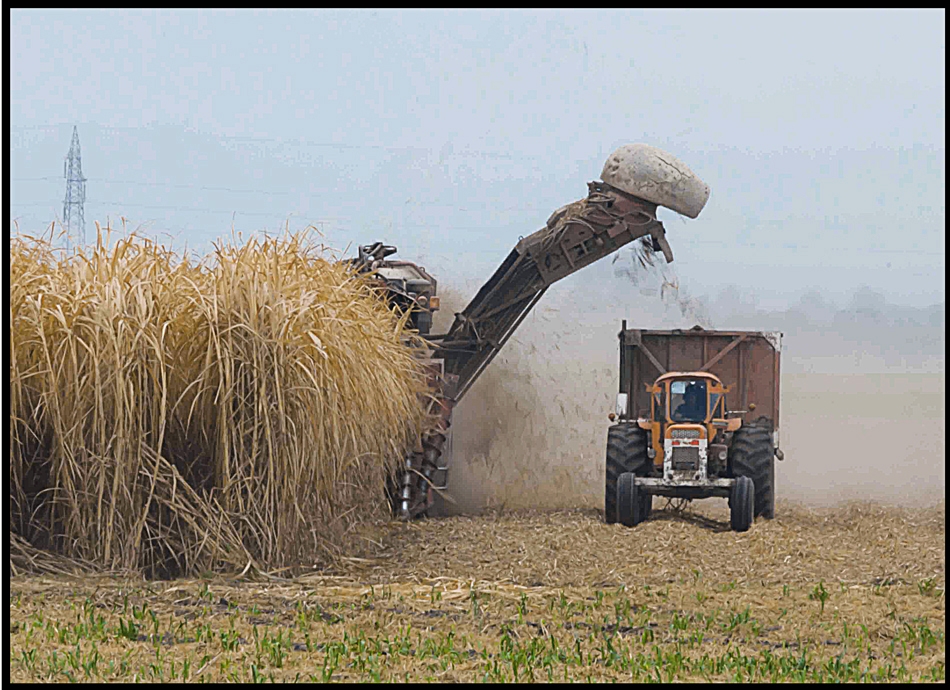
x=745, y=361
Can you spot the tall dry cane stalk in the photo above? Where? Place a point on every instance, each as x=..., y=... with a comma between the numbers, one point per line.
x=172, y=416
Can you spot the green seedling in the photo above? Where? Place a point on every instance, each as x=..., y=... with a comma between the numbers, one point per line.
x=820, y=594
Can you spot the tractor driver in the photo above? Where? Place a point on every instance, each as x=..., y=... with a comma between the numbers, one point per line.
x=693, y=407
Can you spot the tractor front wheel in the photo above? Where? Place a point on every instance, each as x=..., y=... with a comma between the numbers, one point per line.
x=633, y=504
x=741, y=504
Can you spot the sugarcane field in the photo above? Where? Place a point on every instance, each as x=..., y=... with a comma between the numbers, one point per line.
x=361, y=354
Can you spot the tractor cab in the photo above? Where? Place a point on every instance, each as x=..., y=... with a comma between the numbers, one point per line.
x=687, y=417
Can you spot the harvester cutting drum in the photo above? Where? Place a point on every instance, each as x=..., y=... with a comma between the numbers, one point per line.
x=617, y=210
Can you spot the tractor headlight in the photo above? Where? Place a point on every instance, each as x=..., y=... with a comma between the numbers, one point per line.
x=722, y=455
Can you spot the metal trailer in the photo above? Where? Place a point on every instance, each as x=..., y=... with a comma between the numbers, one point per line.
x=747, y=363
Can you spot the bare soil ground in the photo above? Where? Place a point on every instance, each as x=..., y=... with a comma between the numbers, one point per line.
x=847, y=593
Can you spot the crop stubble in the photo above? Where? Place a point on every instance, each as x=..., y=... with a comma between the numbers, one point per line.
x=846, y=593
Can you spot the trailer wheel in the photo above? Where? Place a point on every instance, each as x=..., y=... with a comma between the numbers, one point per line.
x=626, y=452
x=752, y=455
x=631, y=508
x=742, y=504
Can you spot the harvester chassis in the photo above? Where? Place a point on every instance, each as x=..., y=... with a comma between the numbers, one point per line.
x=620, y=209
x=574, y=237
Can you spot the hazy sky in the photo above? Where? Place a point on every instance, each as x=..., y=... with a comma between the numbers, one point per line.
x=450, y=134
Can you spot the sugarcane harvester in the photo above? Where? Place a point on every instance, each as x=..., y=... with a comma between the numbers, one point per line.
x=619, y=209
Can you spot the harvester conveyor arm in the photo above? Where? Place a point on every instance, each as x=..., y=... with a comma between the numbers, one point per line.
x=575, y=236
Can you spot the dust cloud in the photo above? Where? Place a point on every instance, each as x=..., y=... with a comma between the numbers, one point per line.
x=528, y=432
x=862, y=401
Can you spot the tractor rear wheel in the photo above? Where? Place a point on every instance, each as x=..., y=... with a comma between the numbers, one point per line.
x=626, y=452
x=741, y=504
x=752, y=455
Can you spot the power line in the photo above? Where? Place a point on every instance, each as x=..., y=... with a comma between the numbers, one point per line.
x=254, y=191
x=487, y=228
x=158, y=184
x=190, y=209
x=464, y=153
x=482, y=229
x=347, y=228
